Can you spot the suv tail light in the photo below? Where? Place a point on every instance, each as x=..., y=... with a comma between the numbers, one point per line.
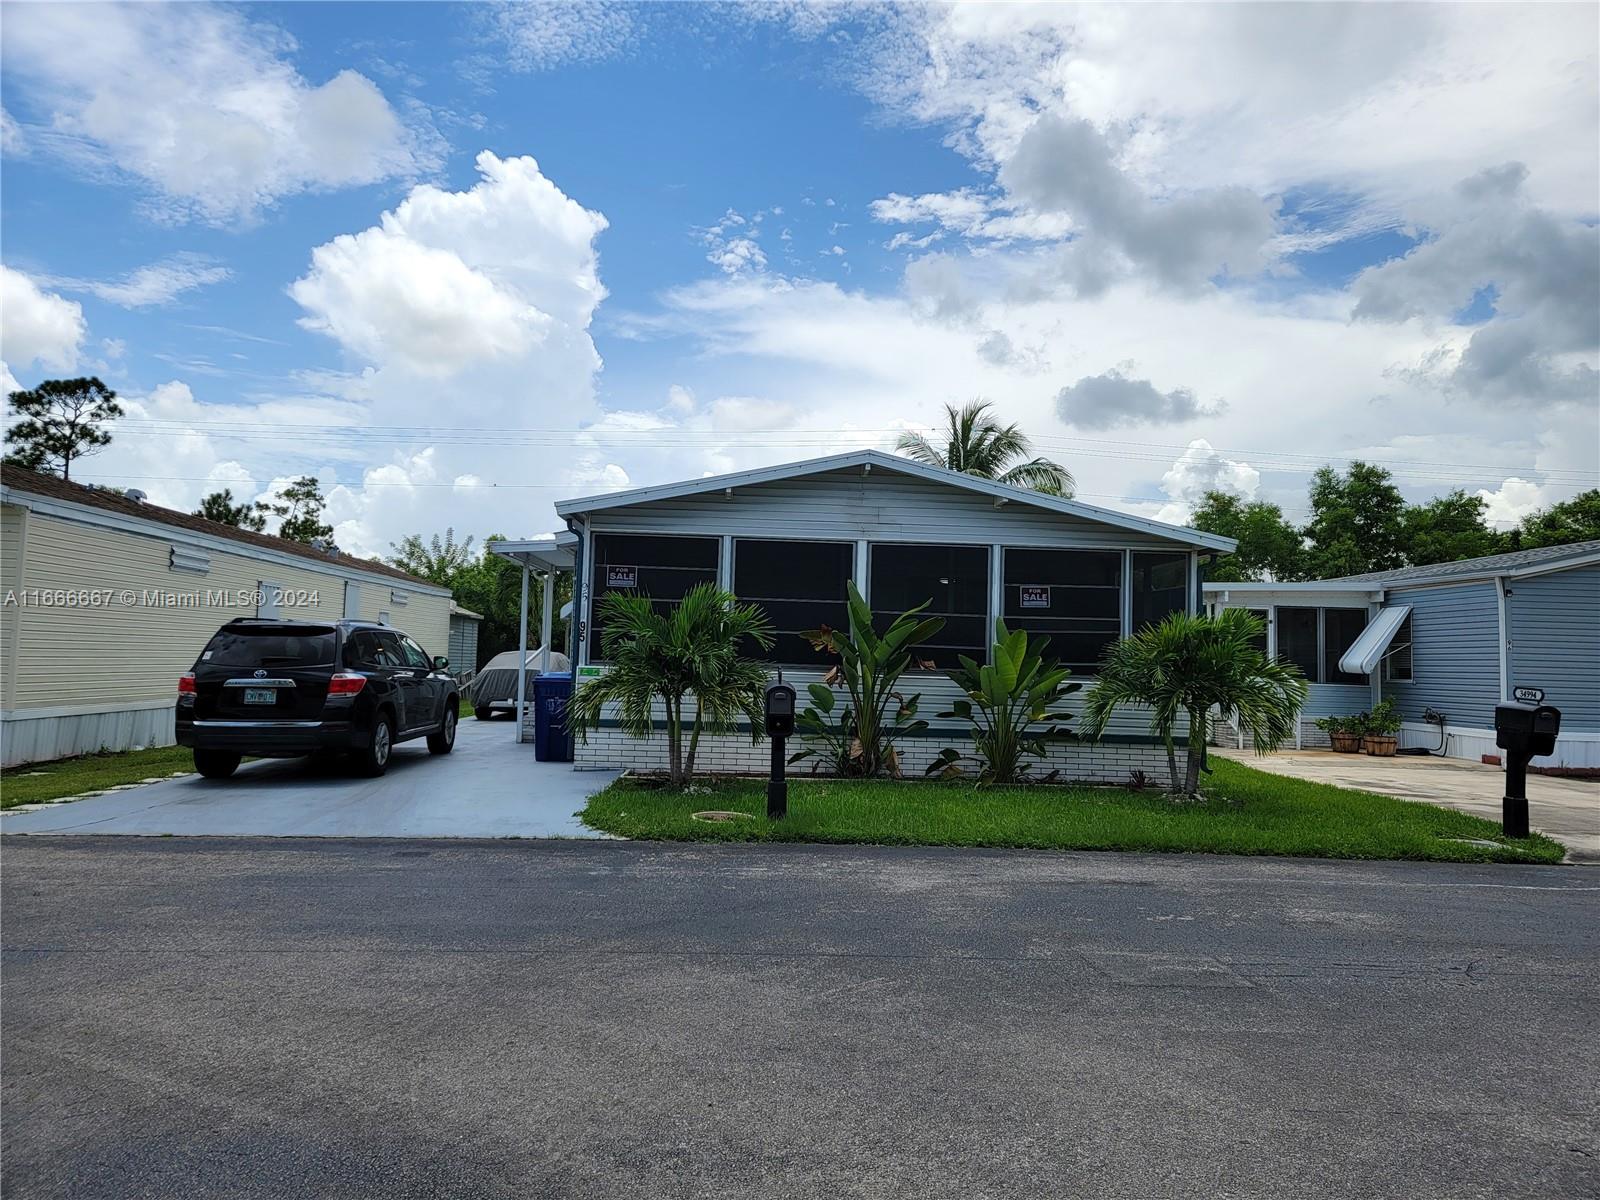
x=186, y=684
x=346, y=683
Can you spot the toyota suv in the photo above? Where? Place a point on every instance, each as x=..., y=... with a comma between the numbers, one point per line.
x=280, y=689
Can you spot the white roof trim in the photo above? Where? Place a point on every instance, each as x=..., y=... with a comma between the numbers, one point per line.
x=1367, y=650
x=893, y=462
x=343, y=567
x=540, y=554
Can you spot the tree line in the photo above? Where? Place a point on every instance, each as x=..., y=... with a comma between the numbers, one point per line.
x=1359, y=522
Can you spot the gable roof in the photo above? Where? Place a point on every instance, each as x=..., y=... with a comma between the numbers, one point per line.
x=52, y=487
x=870, y=459
x=1517, y=562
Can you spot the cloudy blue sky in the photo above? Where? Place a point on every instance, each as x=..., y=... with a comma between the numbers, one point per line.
x=460, y=261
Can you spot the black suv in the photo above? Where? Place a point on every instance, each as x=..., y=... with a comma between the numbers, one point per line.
x=280, y=689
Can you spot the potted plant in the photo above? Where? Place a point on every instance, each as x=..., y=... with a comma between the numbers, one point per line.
x=1380, y=730
x=1344, y=733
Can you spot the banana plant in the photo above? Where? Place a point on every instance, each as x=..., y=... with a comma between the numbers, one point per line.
x=855, y=734
x=1010, y=704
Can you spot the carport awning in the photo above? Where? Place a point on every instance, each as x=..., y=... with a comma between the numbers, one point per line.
x=1367, y=651
x=540, y=554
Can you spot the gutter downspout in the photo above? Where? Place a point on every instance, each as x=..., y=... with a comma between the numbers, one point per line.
x=1500, y=605
x=522, y=655
x=546, y=619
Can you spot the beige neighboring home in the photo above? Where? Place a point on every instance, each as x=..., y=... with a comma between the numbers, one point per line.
x=106, y=599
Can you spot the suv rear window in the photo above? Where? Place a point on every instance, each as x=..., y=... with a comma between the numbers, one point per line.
x=271, y=646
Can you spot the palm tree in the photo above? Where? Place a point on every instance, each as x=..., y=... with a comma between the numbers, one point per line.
x=977, y=444
x=691, y=648
x=1188, y=665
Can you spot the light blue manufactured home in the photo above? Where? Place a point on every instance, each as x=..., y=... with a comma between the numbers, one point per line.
x=789, y=537
x=1447, y=642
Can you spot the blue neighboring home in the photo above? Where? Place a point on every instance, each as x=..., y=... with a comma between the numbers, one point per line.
x=1447, y=642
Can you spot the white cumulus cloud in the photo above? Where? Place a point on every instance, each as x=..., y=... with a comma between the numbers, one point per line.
x=38, y=328
x=201, y=104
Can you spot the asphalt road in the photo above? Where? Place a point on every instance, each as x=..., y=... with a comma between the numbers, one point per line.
x=242, y=1018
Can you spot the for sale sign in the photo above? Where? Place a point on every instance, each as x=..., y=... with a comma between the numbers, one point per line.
x=1035, y=595
x=622, y=577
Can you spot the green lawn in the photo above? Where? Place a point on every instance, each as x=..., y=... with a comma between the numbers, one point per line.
x=1246, y=811
x=36, y=782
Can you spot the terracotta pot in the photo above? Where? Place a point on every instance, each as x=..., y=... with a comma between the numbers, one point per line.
x=1380, y=746
x=1346, y=743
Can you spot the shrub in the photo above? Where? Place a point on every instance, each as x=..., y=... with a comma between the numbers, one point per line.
x=1009, y=704
x=859, y=736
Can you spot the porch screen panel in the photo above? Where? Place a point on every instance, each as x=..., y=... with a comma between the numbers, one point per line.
x=1340, y=629
x=952, y=580
x=1072, y=597
x=1297, y=640
x=663, y=568
x=801, y=586
x=1160, y=587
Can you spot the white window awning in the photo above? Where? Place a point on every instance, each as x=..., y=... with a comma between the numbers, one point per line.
x=1366, y=652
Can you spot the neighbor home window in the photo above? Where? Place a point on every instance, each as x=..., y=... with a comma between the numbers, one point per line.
x=1397, y=662
x=1072, y=597
x=1315, y=639
x=952, y=580
x=1297, y=641
x=1160, y=587
x=801, y=586
x=663, y=568
x=1340, y=629
x=1265, y=615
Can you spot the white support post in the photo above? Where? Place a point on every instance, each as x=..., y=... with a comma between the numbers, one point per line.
x=546, y=619
x=522, y=654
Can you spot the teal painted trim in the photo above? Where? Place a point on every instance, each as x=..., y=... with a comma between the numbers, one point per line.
x=1110, y=739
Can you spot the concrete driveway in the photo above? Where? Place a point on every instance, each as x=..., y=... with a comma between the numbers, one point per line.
x=488, y=787
x=1565, y=809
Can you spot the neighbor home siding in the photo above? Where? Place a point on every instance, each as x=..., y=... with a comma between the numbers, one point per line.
x=1553, y=631
x=80, y=678
x=1455, y=653
x=13, y=531
x=880, y=506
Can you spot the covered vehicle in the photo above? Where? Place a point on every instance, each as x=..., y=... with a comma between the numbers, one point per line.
x=493, y=690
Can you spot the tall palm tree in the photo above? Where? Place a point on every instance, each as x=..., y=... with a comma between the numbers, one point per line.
x=663, y=657
x=1188, y=665
x=977, y=444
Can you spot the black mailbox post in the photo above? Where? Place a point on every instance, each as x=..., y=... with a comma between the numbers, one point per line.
x=1524, y=730
x=779, y=710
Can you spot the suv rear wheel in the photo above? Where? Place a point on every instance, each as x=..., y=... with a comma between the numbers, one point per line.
x=374, y=760
x=215, y=764
x=443, y=741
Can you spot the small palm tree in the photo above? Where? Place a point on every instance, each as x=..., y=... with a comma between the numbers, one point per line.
x=1188, y=665
x=691, y=649
x=977, y=444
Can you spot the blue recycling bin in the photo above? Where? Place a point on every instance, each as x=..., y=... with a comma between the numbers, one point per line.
x=552, y=740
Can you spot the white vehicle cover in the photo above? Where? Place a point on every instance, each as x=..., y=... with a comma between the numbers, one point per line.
x=498, y=679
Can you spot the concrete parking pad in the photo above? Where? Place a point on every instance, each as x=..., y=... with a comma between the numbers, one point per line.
x=488, y=787
x=1565, y=809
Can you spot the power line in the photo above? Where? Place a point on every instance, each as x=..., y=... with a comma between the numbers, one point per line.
x=1123, y=450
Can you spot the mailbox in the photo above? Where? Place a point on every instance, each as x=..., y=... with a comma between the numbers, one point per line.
x=1530, y=729
x=1524, y=730
x=779, y=710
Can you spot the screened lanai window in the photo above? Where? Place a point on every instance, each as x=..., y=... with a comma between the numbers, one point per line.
x=663, y=568
x=952, y=580
x=1340, y=629
x=801, y=585
x=1315, y=639
x=1072, y=597
x=1160, y=586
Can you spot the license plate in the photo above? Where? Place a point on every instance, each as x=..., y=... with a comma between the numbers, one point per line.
x=260, y=696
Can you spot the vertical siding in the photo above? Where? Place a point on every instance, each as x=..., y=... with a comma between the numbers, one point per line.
x=1455, y=653
x=1553, y=626
x=463, y=652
